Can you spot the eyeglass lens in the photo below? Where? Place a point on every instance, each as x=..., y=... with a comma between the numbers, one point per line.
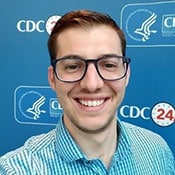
x=74, y=68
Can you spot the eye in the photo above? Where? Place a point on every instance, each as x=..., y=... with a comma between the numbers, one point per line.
x=108, y=65
x=73, y=66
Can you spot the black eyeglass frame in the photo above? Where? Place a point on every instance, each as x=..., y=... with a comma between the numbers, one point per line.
x=125, y=60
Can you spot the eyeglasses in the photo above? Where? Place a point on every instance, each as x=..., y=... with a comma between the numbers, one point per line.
x=73, y=68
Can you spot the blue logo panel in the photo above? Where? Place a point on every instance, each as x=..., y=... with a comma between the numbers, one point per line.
x=146, y=25
x=36, y=105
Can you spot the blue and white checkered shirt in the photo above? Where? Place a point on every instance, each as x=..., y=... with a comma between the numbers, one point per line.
x=139, y=152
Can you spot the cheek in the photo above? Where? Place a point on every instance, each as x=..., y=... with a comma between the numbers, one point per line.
x=118, y=88
x=63, y=91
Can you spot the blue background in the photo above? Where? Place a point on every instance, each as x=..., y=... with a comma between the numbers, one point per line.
x=24, y=62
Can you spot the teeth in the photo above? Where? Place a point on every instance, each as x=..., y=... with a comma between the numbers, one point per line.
x=91, y=103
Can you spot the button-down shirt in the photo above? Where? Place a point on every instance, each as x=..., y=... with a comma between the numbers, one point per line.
x=138, y=152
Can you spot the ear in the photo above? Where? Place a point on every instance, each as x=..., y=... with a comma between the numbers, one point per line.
x=51, y=77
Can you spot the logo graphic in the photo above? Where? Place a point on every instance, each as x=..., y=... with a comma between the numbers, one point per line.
x=29, y=26
x=32, y=110
x=145, y=20
x=168, y=25
x=145, y=25
x=163, y=114
x=36, y=105
x=134, y=112
x=55, y=107
x=51, y=23
x=145, y=28
x=35, y=109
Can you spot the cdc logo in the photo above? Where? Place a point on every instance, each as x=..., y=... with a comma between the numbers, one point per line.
x=37, y=26
x=30, y=26
x=30, y=105
x=168, y=25
x=143, y=29
x=135, y=112
x=36, y=105
x=162, y=113
x=55, y=108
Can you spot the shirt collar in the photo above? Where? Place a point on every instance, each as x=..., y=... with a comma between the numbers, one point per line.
x=70, y=151
x=123, y=143
x=65, y=145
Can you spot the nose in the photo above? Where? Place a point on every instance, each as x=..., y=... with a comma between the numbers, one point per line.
x=91, y=81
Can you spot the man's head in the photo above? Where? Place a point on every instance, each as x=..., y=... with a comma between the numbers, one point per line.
x=83, y=19
x=89, y=71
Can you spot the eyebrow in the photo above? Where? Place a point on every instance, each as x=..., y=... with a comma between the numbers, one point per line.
x=82, y=57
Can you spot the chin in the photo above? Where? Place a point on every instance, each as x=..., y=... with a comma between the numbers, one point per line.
x=94, y=127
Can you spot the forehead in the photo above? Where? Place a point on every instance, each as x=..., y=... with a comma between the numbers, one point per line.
x=89, y=41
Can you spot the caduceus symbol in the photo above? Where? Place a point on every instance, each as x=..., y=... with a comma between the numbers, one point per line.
x=144, y=30
x=35, y=109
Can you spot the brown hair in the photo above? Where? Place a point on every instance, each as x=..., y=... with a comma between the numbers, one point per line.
x=82, y=19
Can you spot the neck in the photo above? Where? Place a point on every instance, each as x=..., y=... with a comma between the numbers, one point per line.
x=99, y=145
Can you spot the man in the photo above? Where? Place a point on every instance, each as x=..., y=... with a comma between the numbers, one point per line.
x=89, y=73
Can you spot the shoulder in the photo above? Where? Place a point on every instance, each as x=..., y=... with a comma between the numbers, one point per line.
x=40, y=142
x=21, y=159
x=149, y=148
x=139, y=132
x=139, y=135
x=147, y=141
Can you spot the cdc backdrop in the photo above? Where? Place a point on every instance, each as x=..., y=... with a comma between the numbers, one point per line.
x=27, y=104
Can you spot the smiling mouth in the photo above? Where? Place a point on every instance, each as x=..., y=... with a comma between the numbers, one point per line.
x=91, y=103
